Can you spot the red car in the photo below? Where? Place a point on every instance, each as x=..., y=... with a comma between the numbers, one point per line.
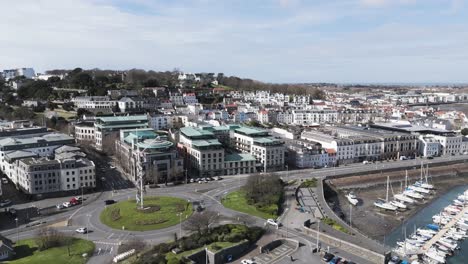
x=74, y=201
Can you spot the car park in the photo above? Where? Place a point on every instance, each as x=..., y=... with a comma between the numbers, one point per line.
x=5, y=203
x=108, y=202
x=327, y=257
x=82, y=230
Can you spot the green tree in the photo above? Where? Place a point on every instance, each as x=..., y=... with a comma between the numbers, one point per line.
x=464, y=131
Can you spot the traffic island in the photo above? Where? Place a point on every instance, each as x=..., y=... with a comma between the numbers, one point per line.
x=158, y=212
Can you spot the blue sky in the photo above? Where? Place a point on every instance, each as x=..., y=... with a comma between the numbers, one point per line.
x=358, y=41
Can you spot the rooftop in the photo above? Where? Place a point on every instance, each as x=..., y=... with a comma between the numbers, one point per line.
x=238, y=157
x=192, y=132
x=134, y=118
x=205, y=143
x=251, y=131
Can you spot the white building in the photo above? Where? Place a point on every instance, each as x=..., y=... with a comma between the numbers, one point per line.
x=94, y=103
x=190, y=98
x=313, y=117
x=12, y=73
x=161, y=122
x=429, y=146
x=449, y=145
x=268, y=151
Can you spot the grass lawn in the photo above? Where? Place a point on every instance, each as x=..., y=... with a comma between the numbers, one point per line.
x=161, y=212
x=65, y=114
x=236, y=201
x=27, y=253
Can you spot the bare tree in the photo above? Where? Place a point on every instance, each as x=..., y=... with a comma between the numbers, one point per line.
x=48, y=237
x=200, y=222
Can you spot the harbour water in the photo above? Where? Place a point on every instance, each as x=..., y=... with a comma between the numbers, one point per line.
x=424, y=217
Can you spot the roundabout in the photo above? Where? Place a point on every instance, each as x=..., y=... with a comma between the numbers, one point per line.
x=158, y=212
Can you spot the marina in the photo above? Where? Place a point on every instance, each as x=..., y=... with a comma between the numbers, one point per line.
x=437, y=242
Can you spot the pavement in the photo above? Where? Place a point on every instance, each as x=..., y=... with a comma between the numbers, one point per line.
x=116, y=187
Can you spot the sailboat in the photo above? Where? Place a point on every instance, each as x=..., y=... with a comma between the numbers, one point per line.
x=395, y=202
x=384, y=204
x=410, y=193
x=352, y=199
x=421, y=183
x=402, y=197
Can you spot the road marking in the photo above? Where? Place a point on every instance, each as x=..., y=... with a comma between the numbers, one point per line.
x=110, y=236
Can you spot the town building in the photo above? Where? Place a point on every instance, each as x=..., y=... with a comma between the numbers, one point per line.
x=95, y=104
x=429, y=146
x=12, y=73
x=84, y=132
x=7, y=251
x=204, y=151
x=267, y=150
x=12, y=148
x=143, y=152
x=68, y=171
x=130, y=104
x=107, y=128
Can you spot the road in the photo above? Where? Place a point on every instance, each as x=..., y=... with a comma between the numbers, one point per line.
x=210, y=194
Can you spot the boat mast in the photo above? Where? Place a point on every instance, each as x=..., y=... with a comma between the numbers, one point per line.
x=388, y=182
x=406, y=179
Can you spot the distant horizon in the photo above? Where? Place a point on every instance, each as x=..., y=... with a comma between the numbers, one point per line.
x=274, y=41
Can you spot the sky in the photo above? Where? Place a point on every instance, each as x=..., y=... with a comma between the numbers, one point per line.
x=341, y=41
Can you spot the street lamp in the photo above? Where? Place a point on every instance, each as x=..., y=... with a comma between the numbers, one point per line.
x=287, y=198
x=17, y=230
x=180, y=225
x=87, y=227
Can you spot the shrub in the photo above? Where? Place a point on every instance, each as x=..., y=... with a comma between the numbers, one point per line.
x=115, y=213
x=149, y=209
x=150, y=221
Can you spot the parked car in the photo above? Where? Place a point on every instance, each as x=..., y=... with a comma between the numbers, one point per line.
x=103, y=179
x=112, y=167
x=365, y=162
x=108, y=202
x=5, y=203
x=82, y=230
x=4, y=180
x=247, y=261
x=67, y=204
x=394, y=260
x=272, y=222
x=74, y=201
x=335, y=260
x=78, y=198
x=192, y=180
x=60, y=206
x=327, y=257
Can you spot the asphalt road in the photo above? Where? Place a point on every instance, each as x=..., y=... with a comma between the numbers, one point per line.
x=209, y=194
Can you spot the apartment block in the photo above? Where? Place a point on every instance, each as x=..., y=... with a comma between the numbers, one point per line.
x=267, y=150
x=107, y=128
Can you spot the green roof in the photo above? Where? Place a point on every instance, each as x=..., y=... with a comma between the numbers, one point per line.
x=195, y=132
x=239, y=157
x=267, y=141
x=250, y=131
x=122, y=125
x=206, y=143
x=122, y=118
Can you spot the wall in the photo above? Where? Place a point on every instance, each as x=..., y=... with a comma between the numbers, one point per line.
x=349, y=247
